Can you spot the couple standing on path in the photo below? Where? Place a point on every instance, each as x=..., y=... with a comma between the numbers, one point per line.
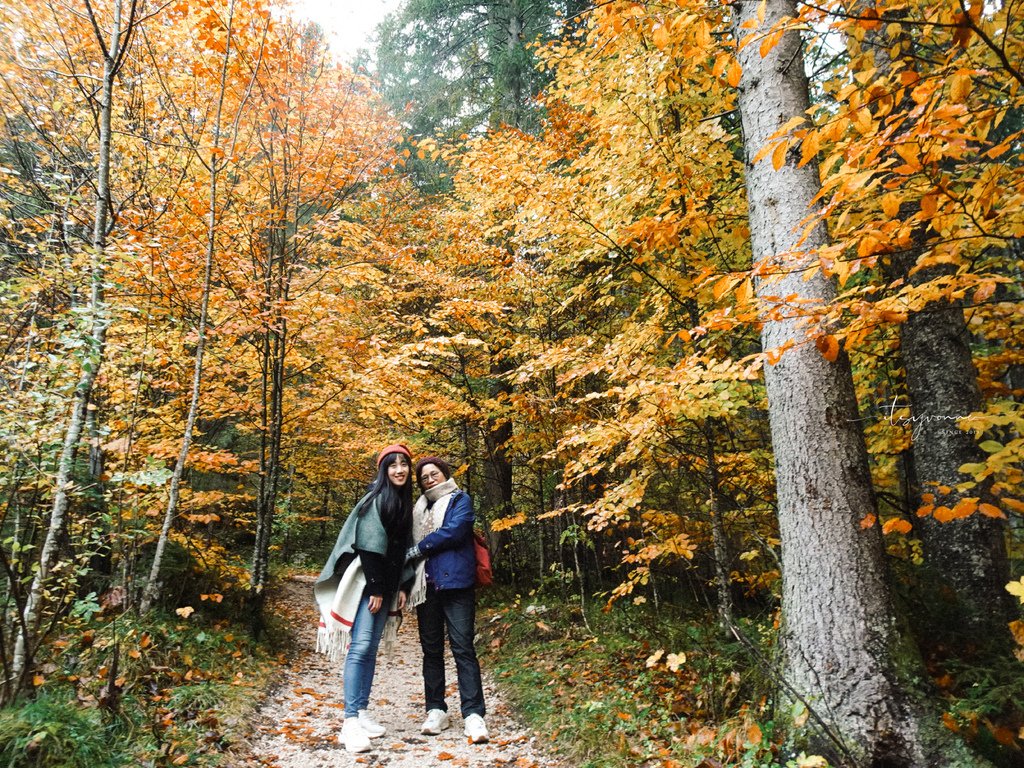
x=390, y=554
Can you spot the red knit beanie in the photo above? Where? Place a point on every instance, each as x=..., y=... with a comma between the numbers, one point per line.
x=395, y=448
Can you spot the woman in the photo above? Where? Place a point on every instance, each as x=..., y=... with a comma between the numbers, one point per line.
x=363, y=577
x=444, y=596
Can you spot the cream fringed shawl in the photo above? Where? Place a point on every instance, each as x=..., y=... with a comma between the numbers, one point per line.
x=426, y=520
x=338, y=613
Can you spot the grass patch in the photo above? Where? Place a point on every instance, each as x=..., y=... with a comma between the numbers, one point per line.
x=54, y=731
x=183, y=691
x=646, y=688
x=664, y=688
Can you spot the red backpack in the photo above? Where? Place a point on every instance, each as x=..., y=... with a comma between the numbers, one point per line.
x=483, y=560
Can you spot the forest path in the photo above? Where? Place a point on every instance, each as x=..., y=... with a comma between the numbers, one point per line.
x=298, y=723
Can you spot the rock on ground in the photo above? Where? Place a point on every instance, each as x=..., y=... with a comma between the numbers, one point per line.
x=298, y=723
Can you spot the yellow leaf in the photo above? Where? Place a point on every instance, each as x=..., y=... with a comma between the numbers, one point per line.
x=185, y=612
x=38, y=680
x=661, y=38
x=1016, y=588
x=910, y=154
x=891, y=205
x=733, y=75
x=964, y=508
x=865, y=120
x=809, y=148
x=984, y=291
x=960, y=85
x=779, y=154
x=754, y=735
x=722, y=286
x=744, y=292
x=929, y=204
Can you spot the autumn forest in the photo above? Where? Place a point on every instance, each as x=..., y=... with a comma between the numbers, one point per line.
x=715, y=307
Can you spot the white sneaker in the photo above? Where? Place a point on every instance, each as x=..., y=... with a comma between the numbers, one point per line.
x=372, y=728
x=353, y=736
x=437, y=720
x=476, y=730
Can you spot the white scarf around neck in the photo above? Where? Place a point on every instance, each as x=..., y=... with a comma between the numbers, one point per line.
x=425, y=520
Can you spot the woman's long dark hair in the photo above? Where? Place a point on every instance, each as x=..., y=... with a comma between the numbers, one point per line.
x=395, y=503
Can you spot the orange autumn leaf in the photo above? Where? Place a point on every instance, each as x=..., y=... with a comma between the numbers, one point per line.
x=828, y=346
x=990, y=510
x=897, y=524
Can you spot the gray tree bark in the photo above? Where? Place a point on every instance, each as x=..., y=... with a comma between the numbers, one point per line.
x=967, y=557
x=842, y=653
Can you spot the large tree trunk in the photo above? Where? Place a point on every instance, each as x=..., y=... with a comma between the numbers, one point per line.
x=842, y=652
x=967, y=555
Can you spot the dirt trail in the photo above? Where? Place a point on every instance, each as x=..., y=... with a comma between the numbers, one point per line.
x=298, y=723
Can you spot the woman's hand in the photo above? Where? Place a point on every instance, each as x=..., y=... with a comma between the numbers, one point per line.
x=376, y=601
x=402, y=598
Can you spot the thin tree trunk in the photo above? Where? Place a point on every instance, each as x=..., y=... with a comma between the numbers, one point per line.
x=720, y=543
x=152, y=591
x=63, y=482
x=276, y=283
x=842, y=653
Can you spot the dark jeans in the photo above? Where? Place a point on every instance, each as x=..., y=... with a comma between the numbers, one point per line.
x=456, y=610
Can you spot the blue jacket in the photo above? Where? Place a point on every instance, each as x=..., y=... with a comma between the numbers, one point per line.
x=451, y=558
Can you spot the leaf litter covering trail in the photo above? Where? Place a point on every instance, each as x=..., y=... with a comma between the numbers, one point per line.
x=297, y=726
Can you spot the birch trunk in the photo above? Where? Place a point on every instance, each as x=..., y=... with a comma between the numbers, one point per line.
x=842, y=653
x=35, y=601
x=718, y=537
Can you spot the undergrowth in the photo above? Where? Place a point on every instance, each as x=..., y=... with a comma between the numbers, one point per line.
x=645, y=687
x=119, y=691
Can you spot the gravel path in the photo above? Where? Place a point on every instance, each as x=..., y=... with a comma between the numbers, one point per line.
x=298, y=723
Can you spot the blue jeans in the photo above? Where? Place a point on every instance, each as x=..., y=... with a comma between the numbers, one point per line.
x=361, y=660
x=456, y=610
